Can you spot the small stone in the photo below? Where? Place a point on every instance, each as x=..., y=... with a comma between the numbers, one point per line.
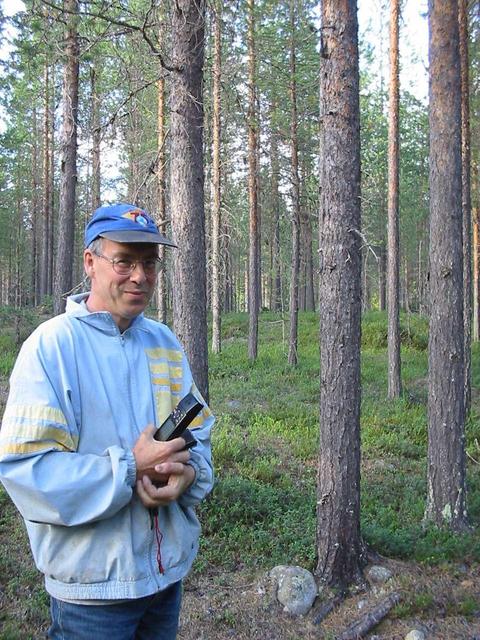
x=415, y=634
x=379, y=574
x=361, y=604
x=234, y=404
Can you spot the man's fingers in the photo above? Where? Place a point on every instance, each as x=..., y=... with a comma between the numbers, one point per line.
x=169, y=468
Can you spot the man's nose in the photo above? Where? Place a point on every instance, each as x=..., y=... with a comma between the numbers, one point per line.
x=138, y=274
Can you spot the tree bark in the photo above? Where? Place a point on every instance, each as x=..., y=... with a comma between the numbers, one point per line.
x=476, y=277
x=96, y=139
x=275, y=203
x=34, y=295
x=254, y=221
x=187, y=204
x=161, y=292
x=46, y=211
x=393, y=254
x=295, y=179
x=446, y=504
x=339, y=545
x=466, y=201
x=68, y=179
x=216, y=187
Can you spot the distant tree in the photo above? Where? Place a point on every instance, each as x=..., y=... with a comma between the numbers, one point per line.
x=254, y=216
x=68, y=168
x=187, y=205
x=393, y=253
x=446, y=498
x=96, y=138
x=339, y=544
x=216, y=182
x=295, y=186
x=161, y=179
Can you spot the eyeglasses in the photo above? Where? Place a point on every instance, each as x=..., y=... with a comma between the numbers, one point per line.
x=125, y=266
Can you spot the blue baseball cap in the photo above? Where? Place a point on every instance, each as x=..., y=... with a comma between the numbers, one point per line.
x=124, y=223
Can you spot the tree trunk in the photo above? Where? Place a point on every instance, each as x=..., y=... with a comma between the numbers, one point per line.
x=34, y=295
x=51, y=190
x=308, y=253
x=46, y=213
x=96, y=174
x=382, y=280
x=275, y=201
x=187, y=204
x=446, y=504
x=295, y=178
x=216, y=187
x=161, y=292
x=476, y=277
x=68, y=180
x=466, y=201
x=161, y=200
x=254, y=222
x=339, y=545
x=393, y=254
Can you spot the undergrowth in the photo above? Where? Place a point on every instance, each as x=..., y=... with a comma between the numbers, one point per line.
x=266, y=439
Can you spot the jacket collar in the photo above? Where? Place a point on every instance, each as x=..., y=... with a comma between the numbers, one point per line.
x=102, y=320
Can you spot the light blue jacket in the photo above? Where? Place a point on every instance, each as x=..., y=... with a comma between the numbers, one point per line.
x=80, y=394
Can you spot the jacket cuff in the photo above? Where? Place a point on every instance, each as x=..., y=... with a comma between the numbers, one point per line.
x=131, y=468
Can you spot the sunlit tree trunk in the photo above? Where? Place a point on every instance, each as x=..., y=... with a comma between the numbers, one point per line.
x=393, y=254
x=476, y=276
x=68, y=176
x=339, y=544
x=254, y=221
x=446, y=500
x=466, y=201
x=275, y=202
x=295, y=179
x=161, y=199
x=187, y=203
x=216, y=186
x=35, y=298
x=96, y=138
x=44, y=261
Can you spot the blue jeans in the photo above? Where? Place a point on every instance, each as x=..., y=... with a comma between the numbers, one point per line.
x=152, y=618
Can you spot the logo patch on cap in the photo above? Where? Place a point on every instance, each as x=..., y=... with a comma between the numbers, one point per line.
x=137, y=215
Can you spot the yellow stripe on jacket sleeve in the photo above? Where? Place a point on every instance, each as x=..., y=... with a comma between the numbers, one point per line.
x=29, y=429
x=174, y=355
x=35, y=413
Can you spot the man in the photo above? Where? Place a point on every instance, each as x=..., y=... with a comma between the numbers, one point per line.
x=108, y=509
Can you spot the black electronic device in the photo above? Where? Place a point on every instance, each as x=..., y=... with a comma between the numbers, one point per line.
x=175, y=426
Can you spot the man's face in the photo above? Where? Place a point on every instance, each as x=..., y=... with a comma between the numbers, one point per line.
x=124, y=296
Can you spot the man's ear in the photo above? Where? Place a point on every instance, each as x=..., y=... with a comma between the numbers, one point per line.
x=88, y=262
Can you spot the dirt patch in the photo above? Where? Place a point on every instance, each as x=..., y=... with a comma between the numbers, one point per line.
x=440, y=602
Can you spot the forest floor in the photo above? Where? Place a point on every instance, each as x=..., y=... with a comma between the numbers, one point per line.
x=261, y=513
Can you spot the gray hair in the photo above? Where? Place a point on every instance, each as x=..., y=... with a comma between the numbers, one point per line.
x=96, y=245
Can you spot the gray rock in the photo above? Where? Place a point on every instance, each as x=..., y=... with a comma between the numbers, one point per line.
x=296, y=589
x=379, y=574
x=234, y=404
x=415, y=634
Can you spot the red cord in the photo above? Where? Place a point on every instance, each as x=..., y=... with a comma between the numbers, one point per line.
x=158, y=539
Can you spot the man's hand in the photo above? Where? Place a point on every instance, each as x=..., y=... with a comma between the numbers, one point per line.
x=151, y=455
x=180, y=477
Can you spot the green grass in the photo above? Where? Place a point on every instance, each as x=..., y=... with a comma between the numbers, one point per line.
x=266, y=439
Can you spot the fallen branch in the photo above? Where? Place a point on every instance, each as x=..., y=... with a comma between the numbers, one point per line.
x=328, y=607
x=360, y=628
